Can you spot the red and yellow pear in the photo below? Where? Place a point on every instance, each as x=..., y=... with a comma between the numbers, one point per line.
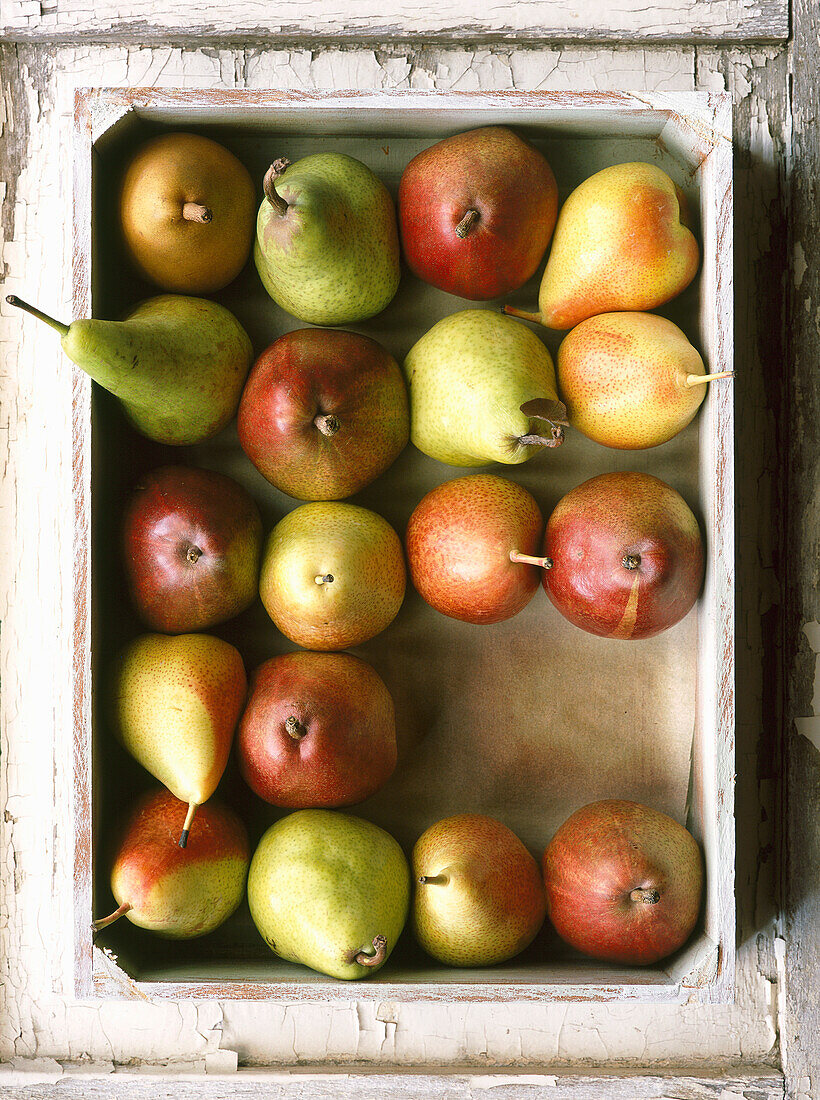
x=624, y=556
x=177, y=701
x=479, y=894
x=621, y=243
x=178, y=894
x=630, y=380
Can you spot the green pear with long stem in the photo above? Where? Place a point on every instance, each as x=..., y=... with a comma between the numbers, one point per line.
x=177, y=364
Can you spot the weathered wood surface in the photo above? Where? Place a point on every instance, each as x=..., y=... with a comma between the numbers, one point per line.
x=38, y=1015
x=140, y=21
x=402, y=1086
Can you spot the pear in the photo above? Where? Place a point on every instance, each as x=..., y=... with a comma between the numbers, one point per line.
x=327, y=246
x=178, y=894
x=333, y=575
x=630, y=380
x=479, y=894
x=177, y=364
x=186, y=212
x=329, y=890
x=177, y=701
x=621, y=242
x=482, y=387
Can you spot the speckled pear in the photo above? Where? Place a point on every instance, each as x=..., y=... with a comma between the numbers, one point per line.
x=621, y=243
x=179, y=895
x=177, y=701
x=479, y=894
x=482, y=390
x=327, y=245
x=333, y=575
x=331, y=891
x=177, y=364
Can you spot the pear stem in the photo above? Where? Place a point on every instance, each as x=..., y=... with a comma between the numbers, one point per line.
x=467, y=223
x=433, y=880
x=649, y=897
x=631, y=561
x=327, y=424
x=326, y=579
x=365, y=959
x=196, y=212
x=294, y=728
x=528, y=559
x=104, y=922
x=271, y=194
x=701, y=379
x=13, y=300
x=555, y=439
x=186, y=828
x=511, y=311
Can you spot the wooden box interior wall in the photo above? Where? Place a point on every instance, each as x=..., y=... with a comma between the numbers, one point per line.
x=578, y=137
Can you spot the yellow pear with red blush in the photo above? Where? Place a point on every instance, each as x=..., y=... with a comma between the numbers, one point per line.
x=622, y=242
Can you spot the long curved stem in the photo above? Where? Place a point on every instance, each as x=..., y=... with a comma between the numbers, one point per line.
x=104, y=922
x=13, y=300
x=363, y=958
x=186, y=828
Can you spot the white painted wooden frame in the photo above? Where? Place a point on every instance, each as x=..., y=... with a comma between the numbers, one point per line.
x=698, y=127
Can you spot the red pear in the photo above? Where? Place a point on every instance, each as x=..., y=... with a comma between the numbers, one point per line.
x=179, y=893
x=476, y=212
x=319, y=730
x=470, y=547
x=624, y=882
x=626, y=556
x=192, y=541
x=323, y=413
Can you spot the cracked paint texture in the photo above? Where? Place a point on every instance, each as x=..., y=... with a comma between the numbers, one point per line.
x=39, y=1018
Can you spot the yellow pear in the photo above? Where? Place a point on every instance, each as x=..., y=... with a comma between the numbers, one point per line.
x=621, y=242
x=177, y=701
x=630, y=380
x=332, y=575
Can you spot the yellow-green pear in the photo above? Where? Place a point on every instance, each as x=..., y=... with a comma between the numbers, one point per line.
x=329, y=890
x=482, y=390
x=177, y=701
x=621, y=242
x=177, y=364
x=333, y=575
x=327, y=243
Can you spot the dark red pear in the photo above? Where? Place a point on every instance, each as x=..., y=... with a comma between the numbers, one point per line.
x=471, y=546
x=626, y=556
x=192, y=543
x=323, y=413
x=624, y=882
x=319, y=730
x=476, y=212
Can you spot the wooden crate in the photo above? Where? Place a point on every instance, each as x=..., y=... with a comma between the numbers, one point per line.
x=577, y=717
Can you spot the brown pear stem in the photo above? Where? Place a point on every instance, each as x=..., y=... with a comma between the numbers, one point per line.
x=631, y=561
x=326, y=579
x=13, y=300
x=196, y=212
x=648, y=897
x=433, y=880
x=365, y=959
x=271, y=194
x=295, y=728
x=701, y=379
x=467, y=223
x=528, y=559
x=511, y=311
x=186, y=828
x=555, y=439
x=104, y=922
x=327, y=424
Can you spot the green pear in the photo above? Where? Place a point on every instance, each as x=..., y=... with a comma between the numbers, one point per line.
x=327, y=245
x=177, y=701
x=177, y=364
x=329, y=890
x=482, y=389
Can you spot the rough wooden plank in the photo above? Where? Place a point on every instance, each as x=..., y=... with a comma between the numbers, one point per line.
x=402, y=1086
x=254, y=21
x=801, y=1026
